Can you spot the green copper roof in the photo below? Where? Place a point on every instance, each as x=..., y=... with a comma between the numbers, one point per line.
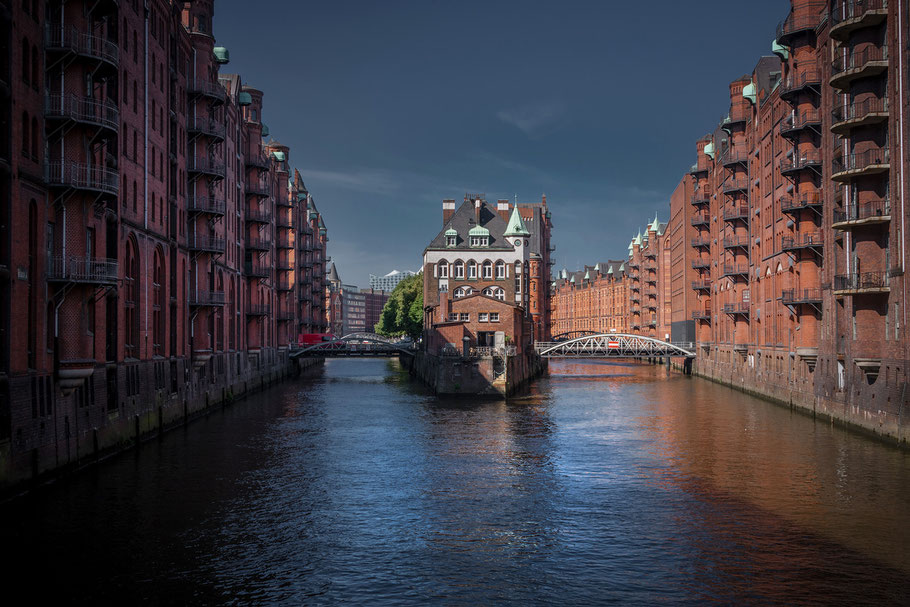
x=655, y=225
x=597, y=267
x=451, y=232
x=244, y=98
x=314, y=214
x=637, y=239
x=750, y=93
x=478, y=231
x=572, y=280
x=780, y=50
x=622, y=267
x=516, y=226
x=610, y=270
x=279, y=156
x=221, y=54
x=587, y=275
x=709, y=149
x=265, y=130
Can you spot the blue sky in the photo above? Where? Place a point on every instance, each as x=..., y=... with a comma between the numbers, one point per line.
x=389, y=107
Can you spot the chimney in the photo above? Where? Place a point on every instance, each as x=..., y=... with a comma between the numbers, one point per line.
x=502, y=207
x=443, y=306
x=477, y=212
x=448, y=209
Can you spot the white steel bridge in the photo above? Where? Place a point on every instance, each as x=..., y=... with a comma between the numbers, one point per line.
x=614, y=345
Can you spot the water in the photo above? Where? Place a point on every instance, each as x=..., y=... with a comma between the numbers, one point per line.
x=606, y=483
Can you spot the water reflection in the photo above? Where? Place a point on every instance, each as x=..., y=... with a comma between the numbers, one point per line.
x=604, y=482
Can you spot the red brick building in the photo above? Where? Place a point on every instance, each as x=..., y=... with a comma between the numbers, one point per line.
x=155, y=249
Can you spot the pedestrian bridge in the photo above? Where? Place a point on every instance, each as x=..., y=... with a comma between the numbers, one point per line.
x=613, y=345
x=353, y=345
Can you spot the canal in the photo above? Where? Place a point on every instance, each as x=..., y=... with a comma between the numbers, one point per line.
x=353, y=485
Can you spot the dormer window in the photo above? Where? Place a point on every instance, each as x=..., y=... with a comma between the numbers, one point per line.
x=451, y=241
x=480, y=241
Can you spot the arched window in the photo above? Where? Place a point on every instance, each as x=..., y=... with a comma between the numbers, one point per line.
x=25, y=135
x=26, y=69
x=487, y=269
x=463, y=291
x=500, y=270
x=442, y=268
x=496, y=292
x=459, y=269
x=472, y=269
x=131, y=299
x=158, y=304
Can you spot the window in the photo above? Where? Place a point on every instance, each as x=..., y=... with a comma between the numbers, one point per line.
x=496, y=292
x=488, y=269
x=472, y=269
x=459, y=269
x=451, y=241
x=482, y=317
x=480, y=241
x=464, y=317
x=500, y=270
x=494, y=316
x=453, y=317
x=443, y=269
x=463, y=291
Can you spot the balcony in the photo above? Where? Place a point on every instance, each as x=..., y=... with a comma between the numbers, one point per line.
x=205, y=205
x=795, y=297
x=205, y=126
x=699, y=264
x=736, y=242
x=285, y=285
x=701, y=198
x=701, y=219
x=794, y=204
x=82, y=270
x=258, y=216
x=82, y=110
x=282, y=221
x=205, y=244
x=633, y=288
x=258, y=161
x=737, y=115
x=870, y=162
x=734, y=309
x=731, y=186
x=862, y=283
x=850, y=15
x=258, y=310
x=854, y=215
x=58, y=38
x=77, y=176
x=284, y=243
x=206, y=166
x=798, y=122
x=256, y=270
x=734, y=155
x=209, y=299
x=736, y=212
x=701, y=242
x=284, y=265
x=806, y=161
x=810, y=79
x=701, y=314
x=701, y=285
x=871, y=110
x=794, y=25
x=806, y=240
x=286, y=316
x=258, y=189
x=213, y=91
x=736, y=270
x=258, y=244
x=870, y=61
x=699, y=167
x=636, y=299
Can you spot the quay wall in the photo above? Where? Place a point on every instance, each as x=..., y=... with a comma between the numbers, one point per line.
x=122, y=405
x=479, y=376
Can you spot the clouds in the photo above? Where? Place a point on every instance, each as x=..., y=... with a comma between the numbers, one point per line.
x=533, y=119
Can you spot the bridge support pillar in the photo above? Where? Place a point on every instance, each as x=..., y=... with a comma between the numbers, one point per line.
x=687, y=365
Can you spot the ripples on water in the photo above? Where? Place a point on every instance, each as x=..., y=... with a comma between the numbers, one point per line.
x=606, y=482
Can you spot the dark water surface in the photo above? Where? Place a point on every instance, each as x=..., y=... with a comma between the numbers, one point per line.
x=606, y=483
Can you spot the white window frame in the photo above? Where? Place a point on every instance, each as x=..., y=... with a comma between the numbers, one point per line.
x=443, y=270
x=500, y=270
x=494, y=316
x=465, y=317
x=482, y=317
x=472, y=270
x=459, y=269
x=487, y=269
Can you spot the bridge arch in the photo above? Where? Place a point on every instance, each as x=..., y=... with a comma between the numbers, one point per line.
x=613, y=345
x=389, y=345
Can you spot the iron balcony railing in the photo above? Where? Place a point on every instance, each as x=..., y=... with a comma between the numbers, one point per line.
x=734, y=155
x=701, y=285
x=205, y=204
x=282, y=221
x=858, y=59
x=284, y=243
x=701, y=219
x=701, y=314
x=790, y=204
x=285, y=315
x=206, y=126
x=82, y=177
x=257, y=189
x=802, y=241
x=285, y=285
x=735, y=270
x=799, y=81
x=81, y=269
x=206, y=298
x=701, y=263
x=60, y=38
x=206, y=166
x=258, y=244
x=848, y=10
x=258, y=161
x=859, y=110
x=204, y=88
x=258, y=310
x=791, y=297
x=798, y=163
x=204, y=242
x=737, y=308
x=738, y=211
x=256, y=270
x=795, y=23
x=285, y=265
x=878, y=209
x=732, y=242
x=861, y=160
x=701, y=242
x=800, y=120
x=735, y=185
x=700, y=198
x=862, y=280
x=82, y=109
x=258, y=216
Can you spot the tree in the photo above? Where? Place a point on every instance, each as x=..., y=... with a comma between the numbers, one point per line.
x=403, y=312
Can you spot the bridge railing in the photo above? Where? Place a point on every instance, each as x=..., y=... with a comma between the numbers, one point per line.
x=614, y=345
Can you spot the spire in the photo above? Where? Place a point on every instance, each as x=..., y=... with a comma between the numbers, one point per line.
x=516, y=226
x=333, y=273
x=655, y=225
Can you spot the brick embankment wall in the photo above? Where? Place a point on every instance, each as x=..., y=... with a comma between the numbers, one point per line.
x=484, y=376
x=151, y=397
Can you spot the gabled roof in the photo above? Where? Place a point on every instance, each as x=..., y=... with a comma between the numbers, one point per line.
x=463, y=221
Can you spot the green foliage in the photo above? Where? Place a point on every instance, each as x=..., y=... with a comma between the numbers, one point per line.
x=403, y=313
